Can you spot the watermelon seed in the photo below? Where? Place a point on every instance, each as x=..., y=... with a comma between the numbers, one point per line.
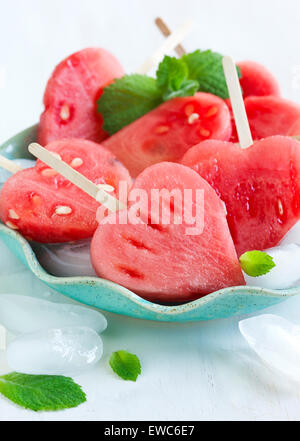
x=12, y=214
x=11, y=225
x=63, y=210
x=130, y=272
x=162, y=129
x=76, y=162
x=48, y=172
x=136, y=243
x=36, y=199
x=211, y=112
x=192, y=118
x=280, y=207
x=189, y=109
x=205, y=133
x=65, y=112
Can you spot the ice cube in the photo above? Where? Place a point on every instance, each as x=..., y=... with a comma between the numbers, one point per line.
x=61, y=351
x=276, y=341
x=22, y=314
x=286, y=273
x=293, y=236
x=67, y=259
x=25, y=163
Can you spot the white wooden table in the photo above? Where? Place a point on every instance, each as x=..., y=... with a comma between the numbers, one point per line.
x=194, y=370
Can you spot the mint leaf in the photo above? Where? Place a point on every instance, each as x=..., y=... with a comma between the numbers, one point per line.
x=171, y=73
x=206, y=67
x=256, y=263
x=41, y=392
x=172, y=79
x=126, y=100
x=188, y=88
x=125, y=365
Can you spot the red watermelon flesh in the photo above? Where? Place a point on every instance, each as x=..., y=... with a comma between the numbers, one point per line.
x=71, y=95
x=160, y=261
x=259, y=185
x=167, y=132
x=45, y=207
x=257, y=80
x=271, y=115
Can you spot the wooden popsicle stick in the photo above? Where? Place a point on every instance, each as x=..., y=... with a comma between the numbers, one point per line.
x=169, y=43
x=165, y=30
x=9, y=165
x=75, y=177
x=237, y=102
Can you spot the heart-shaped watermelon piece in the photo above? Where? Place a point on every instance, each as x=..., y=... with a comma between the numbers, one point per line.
x=259, y=185
x=71, y=95
x=160, y=261
x=45, y=207
x=167, y=132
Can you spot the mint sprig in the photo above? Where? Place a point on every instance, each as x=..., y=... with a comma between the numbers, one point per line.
x=41, y=392
x=130, y=97
x=125, y=365
x=256, y=263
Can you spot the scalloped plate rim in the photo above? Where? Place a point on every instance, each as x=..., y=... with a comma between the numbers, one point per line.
x=39, y=272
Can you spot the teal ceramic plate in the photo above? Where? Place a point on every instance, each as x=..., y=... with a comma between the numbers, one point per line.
x=114, y=298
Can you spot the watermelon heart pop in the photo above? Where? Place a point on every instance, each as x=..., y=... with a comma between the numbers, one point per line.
x=260, y=185
x=167, y=132
x=71, y=94
x=76, y=84
x=44, y=206
x=160, y=261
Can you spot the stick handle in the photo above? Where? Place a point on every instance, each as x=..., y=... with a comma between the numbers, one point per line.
x=75, y=177
x=9, y=165
x=237, y=102
x=169, y=43
x=165, y=30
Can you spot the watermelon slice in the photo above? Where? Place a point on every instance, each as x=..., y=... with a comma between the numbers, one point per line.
x=272, y=115
x=45, y=207
x=260, y=187
x=257, y=80
x=168, y=131
x=71, y=95
x=161, y=262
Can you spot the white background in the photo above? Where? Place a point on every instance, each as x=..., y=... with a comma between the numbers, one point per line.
x=190, y=371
